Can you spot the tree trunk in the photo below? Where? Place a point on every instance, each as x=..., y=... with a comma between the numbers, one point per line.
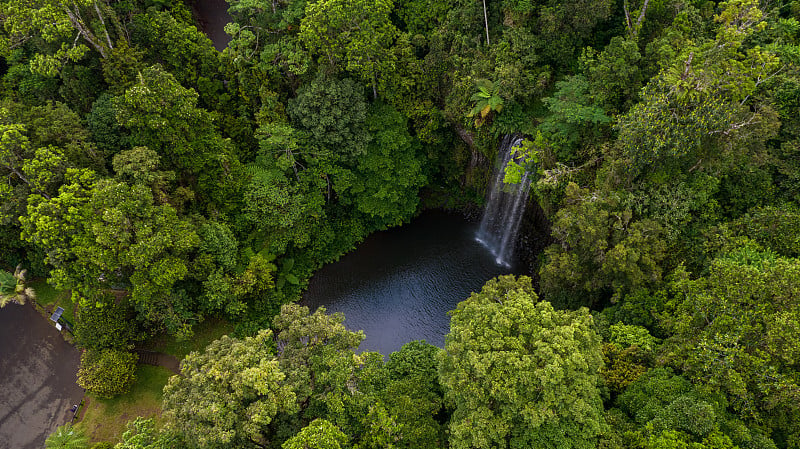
x=486, y=22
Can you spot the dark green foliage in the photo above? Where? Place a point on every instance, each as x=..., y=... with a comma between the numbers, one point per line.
x=163, y=116
x=81, y=85
x=352, y=35
x=334, y=113
x=218, y=240
x=413, y=394
x=614, y=74
x=666, y=406
x=389, y=175
x=664, y=143
x=179, y=46
x=284, y=212
x=652, y=393
x=776, y=228
x=106, y=133
x=122, y=67
x=733, y=330
x=105, y=323
x=572, y=116
x=602, y=250
x=55, y=124
x=28, y=88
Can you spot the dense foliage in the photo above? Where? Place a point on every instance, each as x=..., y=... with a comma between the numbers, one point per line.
x=163, y=182
x=108, y=372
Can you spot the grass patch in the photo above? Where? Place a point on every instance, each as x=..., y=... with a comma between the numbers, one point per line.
x=69, y=309
x=46, y=294
x=49, y=298
x=105, y=419
x=204, y=333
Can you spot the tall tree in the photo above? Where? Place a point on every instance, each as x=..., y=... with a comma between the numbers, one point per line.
x=703, y=104
x=319, y=434
x=352, y=35
x=55, y=22
x=736, y=329
x=164, y=116
x=228, y=395
x=262, y=391
x=333, y=112
x=98, y=233
x=389, y=176
x=602, y=250
x=519, y=373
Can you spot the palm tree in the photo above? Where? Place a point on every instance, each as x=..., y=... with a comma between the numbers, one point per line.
x=67, y=437
x=13, y=289
x=487, y=100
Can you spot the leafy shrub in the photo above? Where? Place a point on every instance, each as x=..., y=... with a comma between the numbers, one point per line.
x=107, y=373
x=105, y=324
x=103, y=445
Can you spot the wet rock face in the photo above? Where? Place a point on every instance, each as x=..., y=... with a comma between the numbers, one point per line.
x=505, y=208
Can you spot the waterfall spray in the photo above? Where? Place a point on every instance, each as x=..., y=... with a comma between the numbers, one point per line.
x=504, y=208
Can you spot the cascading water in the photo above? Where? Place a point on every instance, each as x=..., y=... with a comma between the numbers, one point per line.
x=503, y=212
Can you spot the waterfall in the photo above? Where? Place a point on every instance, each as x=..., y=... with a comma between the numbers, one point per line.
x=504, y=208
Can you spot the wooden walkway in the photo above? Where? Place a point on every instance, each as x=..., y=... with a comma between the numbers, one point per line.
x=159, y=359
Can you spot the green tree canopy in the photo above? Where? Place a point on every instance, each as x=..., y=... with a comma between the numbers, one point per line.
x=736, y=328
x=228, y=395
x=519, y=373
x=354, y=35
x=334, y=113
x=99, y=233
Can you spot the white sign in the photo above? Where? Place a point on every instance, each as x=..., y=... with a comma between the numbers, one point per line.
x=58, y=326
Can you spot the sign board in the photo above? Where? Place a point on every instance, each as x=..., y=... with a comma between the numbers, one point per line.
x=58, y=326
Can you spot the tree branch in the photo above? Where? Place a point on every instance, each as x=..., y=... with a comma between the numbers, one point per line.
x=103, y=22
x=486, y=22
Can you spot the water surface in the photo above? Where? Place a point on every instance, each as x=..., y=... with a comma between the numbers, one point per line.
x=399, y=284
x=213, y=15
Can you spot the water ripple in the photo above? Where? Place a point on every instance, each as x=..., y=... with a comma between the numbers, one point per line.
x=399, y=284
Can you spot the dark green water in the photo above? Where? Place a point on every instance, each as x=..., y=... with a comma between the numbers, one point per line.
x=399, y=284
